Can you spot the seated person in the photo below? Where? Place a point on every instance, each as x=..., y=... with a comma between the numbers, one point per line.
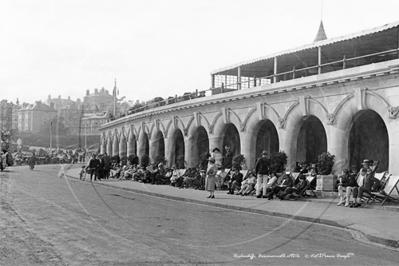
x=139, y=174
x=270, y=183
x=158, y=175
x=235, y=181
x=116, y=170
x=189, y=178
x=248, y=185
x=296, y=189
x=284, y=183
x=175, y=175
x=343, y=182
x=366, y=183
x=351, y=186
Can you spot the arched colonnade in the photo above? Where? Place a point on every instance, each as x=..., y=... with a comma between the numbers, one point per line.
x=357, y=127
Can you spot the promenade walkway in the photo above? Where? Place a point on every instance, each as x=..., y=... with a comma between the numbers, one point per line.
x=376, y=225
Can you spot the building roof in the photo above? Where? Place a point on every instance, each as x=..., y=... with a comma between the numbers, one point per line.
x=321, y=34
x=365, y=41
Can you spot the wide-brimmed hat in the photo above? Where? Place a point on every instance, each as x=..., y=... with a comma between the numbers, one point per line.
x=265, y=153
x=212, y=160
x=366, y=161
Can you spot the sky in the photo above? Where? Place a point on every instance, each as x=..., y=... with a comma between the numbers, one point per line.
x=157, y=47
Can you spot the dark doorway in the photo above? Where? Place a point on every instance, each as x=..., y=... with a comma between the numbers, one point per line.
x=312, y=140
x=266, y=139
x=368, y=139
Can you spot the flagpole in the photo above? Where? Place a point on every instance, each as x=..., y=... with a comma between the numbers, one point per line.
x=115, y=100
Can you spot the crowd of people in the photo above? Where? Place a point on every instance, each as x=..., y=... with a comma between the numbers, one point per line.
x=221, y=174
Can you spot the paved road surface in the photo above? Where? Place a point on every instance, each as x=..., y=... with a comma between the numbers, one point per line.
x=46, y=220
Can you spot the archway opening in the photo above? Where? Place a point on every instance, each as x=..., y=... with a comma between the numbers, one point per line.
x=145, y=146
x=266, y=139
x=311, y=141
x=132, y=145
x=232, y=138
x=178, y=150
x=369, y=139
x=201, y=143
x=159, y=145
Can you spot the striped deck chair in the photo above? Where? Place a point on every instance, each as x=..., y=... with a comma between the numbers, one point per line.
x=391, y=184
x=305, y=190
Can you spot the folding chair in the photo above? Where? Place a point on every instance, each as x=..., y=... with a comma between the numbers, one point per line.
x=303, y=193
x=382, y=177
x=390, y=184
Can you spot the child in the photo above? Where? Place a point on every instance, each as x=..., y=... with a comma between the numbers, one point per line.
x=82, y=173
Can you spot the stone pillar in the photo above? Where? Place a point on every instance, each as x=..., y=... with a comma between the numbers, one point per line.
x=153, y=149
x=103, y=147
x=169, y=151
x=189, y=152
x=288, y=144
x=248, y=148
x=109, y=147
x=131, y=145
x=122, y=148
x=275, y=70
x=338, y=145
x=239, y=78
x=115, y=147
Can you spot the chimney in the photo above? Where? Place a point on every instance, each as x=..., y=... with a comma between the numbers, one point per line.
x=69, y=97
x=52, y=105
x=95, y=91
x=87, y=92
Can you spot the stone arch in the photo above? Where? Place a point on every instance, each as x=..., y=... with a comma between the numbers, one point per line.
x=313, y=116
x=177, y=147
x=157, y=145
x=143, y=145
x=263, y=114
x=347, y=115
x=197, y=146
x=368, y=139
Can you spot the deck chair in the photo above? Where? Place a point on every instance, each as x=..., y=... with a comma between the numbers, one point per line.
x=305, y=190
x=386, y=194
x=382, y=177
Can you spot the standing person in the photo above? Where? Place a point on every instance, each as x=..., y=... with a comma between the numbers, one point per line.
x=228, y=158
x=210, y=180
x=262, y=173
x=218, y=157
x=106, y=161
x=93, y=165
x=32, y=161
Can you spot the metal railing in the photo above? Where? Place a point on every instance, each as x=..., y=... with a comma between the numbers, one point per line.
x=292, y=74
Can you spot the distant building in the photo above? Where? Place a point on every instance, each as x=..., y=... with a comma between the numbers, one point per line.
x=32, y=117
x=98, y=101
x=92, y=122
x=9, y=116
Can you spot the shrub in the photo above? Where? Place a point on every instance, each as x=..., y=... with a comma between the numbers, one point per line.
x=160, y=159
x=133, y=159
x=238, y=161
x=325, y=163
x=145, y=160
x=278, y=160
